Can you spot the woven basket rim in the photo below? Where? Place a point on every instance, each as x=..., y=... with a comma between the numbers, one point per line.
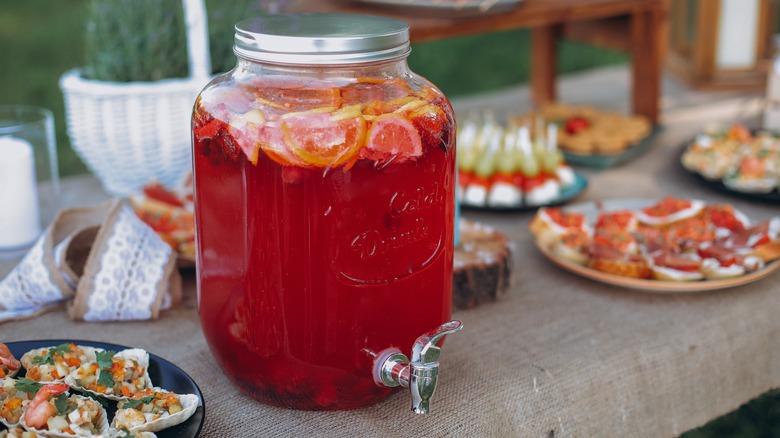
x=71, y=81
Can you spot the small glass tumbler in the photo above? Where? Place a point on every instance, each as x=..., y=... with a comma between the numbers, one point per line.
x=29, y=175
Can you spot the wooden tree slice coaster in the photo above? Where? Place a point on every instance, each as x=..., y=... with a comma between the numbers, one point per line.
x=483, y=265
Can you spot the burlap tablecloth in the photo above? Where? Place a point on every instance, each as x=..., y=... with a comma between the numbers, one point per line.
x=558, y=355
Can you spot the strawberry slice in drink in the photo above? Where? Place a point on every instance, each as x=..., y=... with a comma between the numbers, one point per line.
x=431, y=122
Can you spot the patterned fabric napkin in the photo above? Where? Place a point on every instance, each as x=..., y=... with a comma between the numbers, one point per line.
x=103, y=262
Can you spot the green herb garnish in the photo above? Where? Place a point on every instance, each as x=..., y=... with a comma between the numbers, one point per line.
x=106, y=378
x=48, y=358
x=103, y=359
x=100, y=400
x=63, y=405
x=26, y=385
x=135, y=402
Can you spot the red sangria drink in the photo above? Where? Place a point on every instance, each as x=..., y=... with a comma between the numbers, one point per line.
x=324, y=223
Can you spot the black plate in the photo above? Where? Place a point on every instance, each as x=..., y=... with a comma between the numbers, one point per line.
x=566, y=195
x=164, y=374
x=772, y=197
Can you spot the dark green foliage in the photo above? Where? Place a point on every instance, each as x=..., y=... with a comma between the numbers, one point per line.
x=135, y=40
x=223, y=15
x=40, y=40
x=145, y=40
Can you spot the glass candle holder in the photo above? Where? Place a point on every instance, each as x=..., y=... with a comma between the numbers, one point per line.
x=29, y=175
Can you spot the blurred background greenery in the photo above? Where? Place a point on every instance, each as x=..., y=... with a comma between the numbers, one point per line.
x=41, y=39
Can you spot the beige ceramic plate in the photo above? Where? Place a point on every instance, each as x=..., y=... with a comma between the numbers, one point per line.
x=658, y=285
x=591, y=209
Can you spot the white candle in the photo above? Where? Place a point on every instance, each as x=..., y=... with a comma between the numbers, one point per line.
x=20, y=222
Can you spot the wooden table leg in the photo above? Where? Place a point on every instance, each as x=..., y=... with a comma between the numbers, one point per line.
x=648, y=36
x=544, y=45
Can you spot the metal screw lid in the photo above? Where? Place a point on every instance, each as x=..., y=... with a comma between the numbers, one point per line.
x=321, y=38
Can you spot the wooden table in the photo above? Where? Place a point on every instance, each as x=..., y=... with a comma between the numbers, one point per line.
x=638, y=26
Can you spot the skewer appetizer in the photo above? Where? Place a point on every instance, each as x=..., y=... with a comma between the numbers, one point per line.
x=502, y=167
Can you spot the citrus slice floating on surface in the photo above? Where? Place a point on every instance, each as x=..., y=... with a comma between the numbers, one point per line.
x=392, y=135
x=300, y=98
x=388, y=106
x=432, y=124
x=322, y=140
x=271, y=140
x=244, y=129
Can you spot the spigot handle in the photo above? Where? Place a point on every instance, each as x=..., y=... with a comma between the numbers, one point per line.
x=425, y=351
x=420, y=375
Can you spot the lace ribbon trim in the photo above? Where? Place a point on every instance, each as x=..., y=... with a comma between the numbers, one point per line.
x=129, y=273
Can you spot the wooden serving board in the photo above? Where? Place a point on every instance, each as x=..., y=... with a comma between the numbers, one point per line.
x=483, y=265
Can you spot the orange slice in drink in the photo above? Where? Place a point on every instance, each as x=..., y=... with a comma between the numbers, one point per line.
x=271, y=141
x=373, y=90
x=392, y=135
x=324, y=139
x=399, y=105
x=300, y=98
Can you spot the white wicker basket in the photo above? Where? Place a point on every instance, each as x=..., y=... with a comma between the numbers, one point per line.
x=129, y=134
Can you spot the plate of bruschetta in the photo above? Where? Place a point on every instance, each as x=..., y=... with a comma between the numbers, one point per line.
x=736, y=160
x=669, y=245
